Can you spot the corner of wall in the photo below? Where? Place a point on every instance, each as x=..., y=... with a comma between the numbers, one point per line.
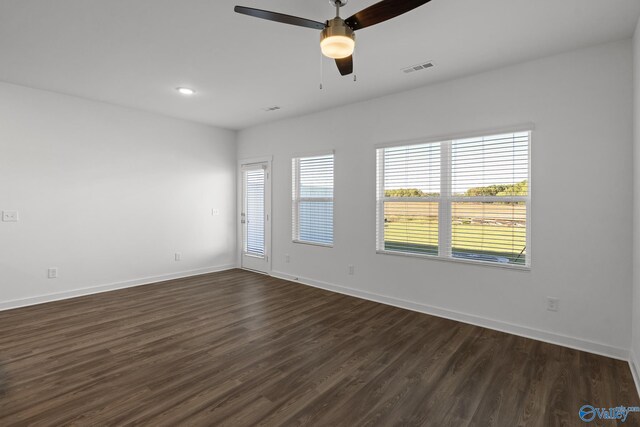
x=634, y=362
x=635, y=370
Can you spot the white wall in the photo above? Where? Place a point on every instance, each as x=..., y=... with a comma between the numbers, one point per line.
x=581, y=104
x=107, y=195
x=635, y=345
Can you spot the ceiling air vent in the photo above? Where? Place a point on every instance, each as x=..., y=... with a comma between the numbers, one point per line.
x=418, y=67
x=274, y=108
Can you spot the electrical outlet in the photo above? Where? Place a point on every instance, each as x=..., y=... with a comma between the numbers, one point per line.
x=351, y=269
x=52, y=273
x=215, y=212
x=178, y=256
x=9, y=216
x=287, y=258
x=553, y=304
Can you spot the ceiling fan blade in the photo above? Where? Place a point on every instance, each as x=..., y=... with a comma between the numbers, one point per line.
x=345, y=65
x=382, y=11
x=279, y=17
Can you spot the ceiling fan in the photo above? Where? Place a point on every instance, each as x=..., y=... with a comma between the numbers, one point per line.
x=337, y=37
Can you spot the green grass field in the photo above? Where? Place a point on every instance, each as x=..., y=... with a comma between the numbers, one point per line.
x=478, y=228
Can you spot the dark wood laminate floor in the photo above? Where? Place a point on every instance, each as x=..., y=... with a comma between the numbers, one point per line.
x=239, y=348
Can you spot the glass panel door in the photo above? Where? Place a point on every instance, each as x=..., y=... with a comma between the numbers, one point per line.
x=254, y=213
x=255, y=217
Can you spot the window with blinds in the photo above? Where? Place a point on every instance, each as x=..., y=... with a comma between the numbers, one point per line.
x=466, y=199
x=312, y=199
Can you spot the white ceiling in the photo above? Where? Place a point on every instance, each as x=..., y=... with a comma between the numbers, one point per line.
x=135, y=52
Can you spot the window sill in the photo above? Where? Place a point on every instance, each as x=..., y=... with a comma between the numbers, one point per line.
x=322, y=245
x=457, y=260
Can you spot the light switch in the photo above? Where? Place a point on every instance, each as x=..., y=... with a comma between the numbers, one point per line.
x=9, y=216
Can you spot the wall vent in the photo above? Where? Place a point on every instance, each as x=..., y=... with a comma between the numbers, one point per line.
x=418, y=67
x=274, y=108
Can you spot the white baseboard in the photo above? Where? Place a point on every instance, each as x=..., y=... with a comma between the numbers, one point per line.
x=523, y=331
x=635, y=370
x=40, y=299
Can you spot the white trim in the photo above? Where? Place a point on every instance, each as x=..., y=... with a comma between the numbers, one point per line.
x=528, y=204
x=254, y=166
x=253, y=160
x=451, y=258
x=525, y=127
x=40, y=299
x=313, y=153
x=295, y=183
x=634, y=365
x=379, y=199
x=303, y=242
x=498, y=325
x=457, y=199
x=445, y=209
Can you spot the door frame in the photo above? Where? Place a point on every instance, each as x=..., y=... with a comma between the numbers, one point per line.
x=267, y=209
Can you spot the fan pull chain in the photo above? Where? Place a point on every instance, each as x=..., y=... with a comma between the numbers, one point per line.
x=321, y=76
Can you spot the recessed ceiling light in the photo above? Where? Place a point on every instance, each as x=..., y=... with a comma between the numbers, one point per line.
x=186, y=91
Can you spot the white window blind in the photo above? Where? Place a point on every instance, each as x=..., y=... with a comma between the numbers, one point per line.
x=254, y=211
x=410, y=197
x=312, y=199
x=464, y=199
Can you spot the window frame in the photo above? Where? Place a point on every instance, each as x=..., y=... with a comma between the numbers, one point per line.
x=296, y=199
x=446, y=199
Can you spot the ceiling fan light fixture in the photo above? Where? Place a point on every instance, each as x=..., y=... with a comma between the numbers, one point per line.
x=337, y=47
x=337, y=40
